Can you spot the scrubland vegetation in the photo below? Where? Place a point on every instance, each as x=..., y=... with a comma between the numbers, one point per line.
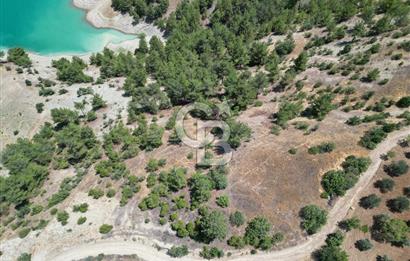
x=221, y=59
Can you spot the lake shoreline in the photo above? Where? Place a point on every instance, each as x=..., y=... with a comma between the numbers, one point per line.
x=100, y=15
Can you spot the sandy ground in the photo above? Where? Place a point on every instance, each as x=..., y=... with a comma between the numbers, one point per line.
x=17, y=101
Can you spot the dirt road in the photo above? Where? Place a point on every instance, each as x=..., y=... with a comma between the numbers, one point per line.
x=147, y=251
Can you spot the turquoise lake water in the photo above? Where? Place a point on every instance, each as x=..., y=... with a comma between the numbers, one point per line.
x=51, y=27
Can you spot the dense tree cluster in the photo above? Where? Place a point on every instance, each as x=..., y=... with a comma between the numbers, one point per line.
x=64, y=144
x=390, y=230
x=139, y=9
x=71, y=72
x=19, y=57
x=213, y=225
x=332, y=251
x=120, y=143
x=117, y=64
x=320, y=106
x=376, y=135
x=337, y=182
x=313, y=218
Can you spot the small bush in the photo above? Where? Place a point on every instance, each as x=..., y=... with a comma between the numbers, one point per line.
x=24, y=257
x=95, y=193
x=370, y=202
x=363, y=244
x=237, y=219
x=40, y=107
x=222, y=201
x=62, y=217
x=313, y=218
x=80, y=208
x=399, y=204
x=396, y=169
x=404, y=102
x=237, y=242
x=24, y=232
x=211, y=253
x=385, y=185
x=81, y=220
x=178, y=251
x=325, y=147
x=105, y=229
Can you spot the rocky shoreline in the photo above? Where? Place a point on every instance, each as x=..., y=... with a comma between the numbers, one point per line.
x=101, y=15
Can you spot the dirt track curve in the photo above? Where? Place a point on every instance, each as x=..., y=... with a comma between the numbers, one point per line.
x=299, y=252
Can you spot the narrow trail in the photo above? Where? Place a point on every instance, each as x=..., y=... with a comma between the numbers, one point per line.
x=144, y=247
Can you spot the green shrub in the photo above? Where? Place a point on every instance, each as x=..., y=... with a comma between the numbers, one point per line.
x=71, y=72
x=399, y=204
x=222, y=201
x=110, y=193
x=211, y=253
x=390, y=230
x=36, y=209
x=385, y=185
x=178, y=251
x=325, y=147
x=213, y=226
x=363, y=244
x=19, y=57
x=320, y=106
x=24, y=232
x=287, y=112
x=373, y=137
x=105, y=229
x=405, y=46
x=372, y=75
x=236, y=241
x=335, y=239
x=81, y=220
x=96, y=193
x=349, y=224
x=396, y=169
x=24, y=257
x=200, y=188
x=40, y=107
x=313, y=218
x=62, y=217
x=337, y=182
x=80, y=208
x=370, y=202
x=406, y=191
x=97, y=102
x=236, y=219
x=257, y=230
